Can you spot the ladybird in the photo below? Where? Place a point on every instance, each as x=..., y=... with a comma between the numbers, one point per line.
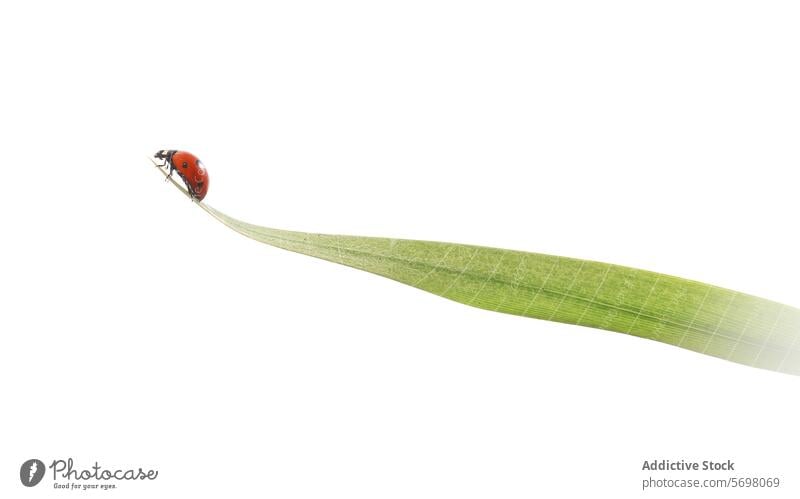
x=190, y=169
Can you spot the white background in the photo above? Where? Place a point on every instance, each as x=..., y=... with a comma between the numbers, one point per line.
x=137, y=331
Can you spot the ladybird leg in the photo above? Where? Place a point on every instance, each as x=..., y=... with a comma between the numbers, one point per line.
x=157, y=164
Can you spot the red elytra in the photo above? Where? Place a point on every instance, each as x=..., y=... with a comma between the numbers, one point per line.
x=190, y=169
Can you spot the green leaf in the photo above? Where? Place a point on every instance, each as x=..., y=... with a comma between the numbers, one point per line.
x=689, y=314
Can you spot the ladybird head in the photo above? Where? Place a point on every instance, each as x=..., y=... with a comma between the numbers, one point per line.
x=164, y=154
